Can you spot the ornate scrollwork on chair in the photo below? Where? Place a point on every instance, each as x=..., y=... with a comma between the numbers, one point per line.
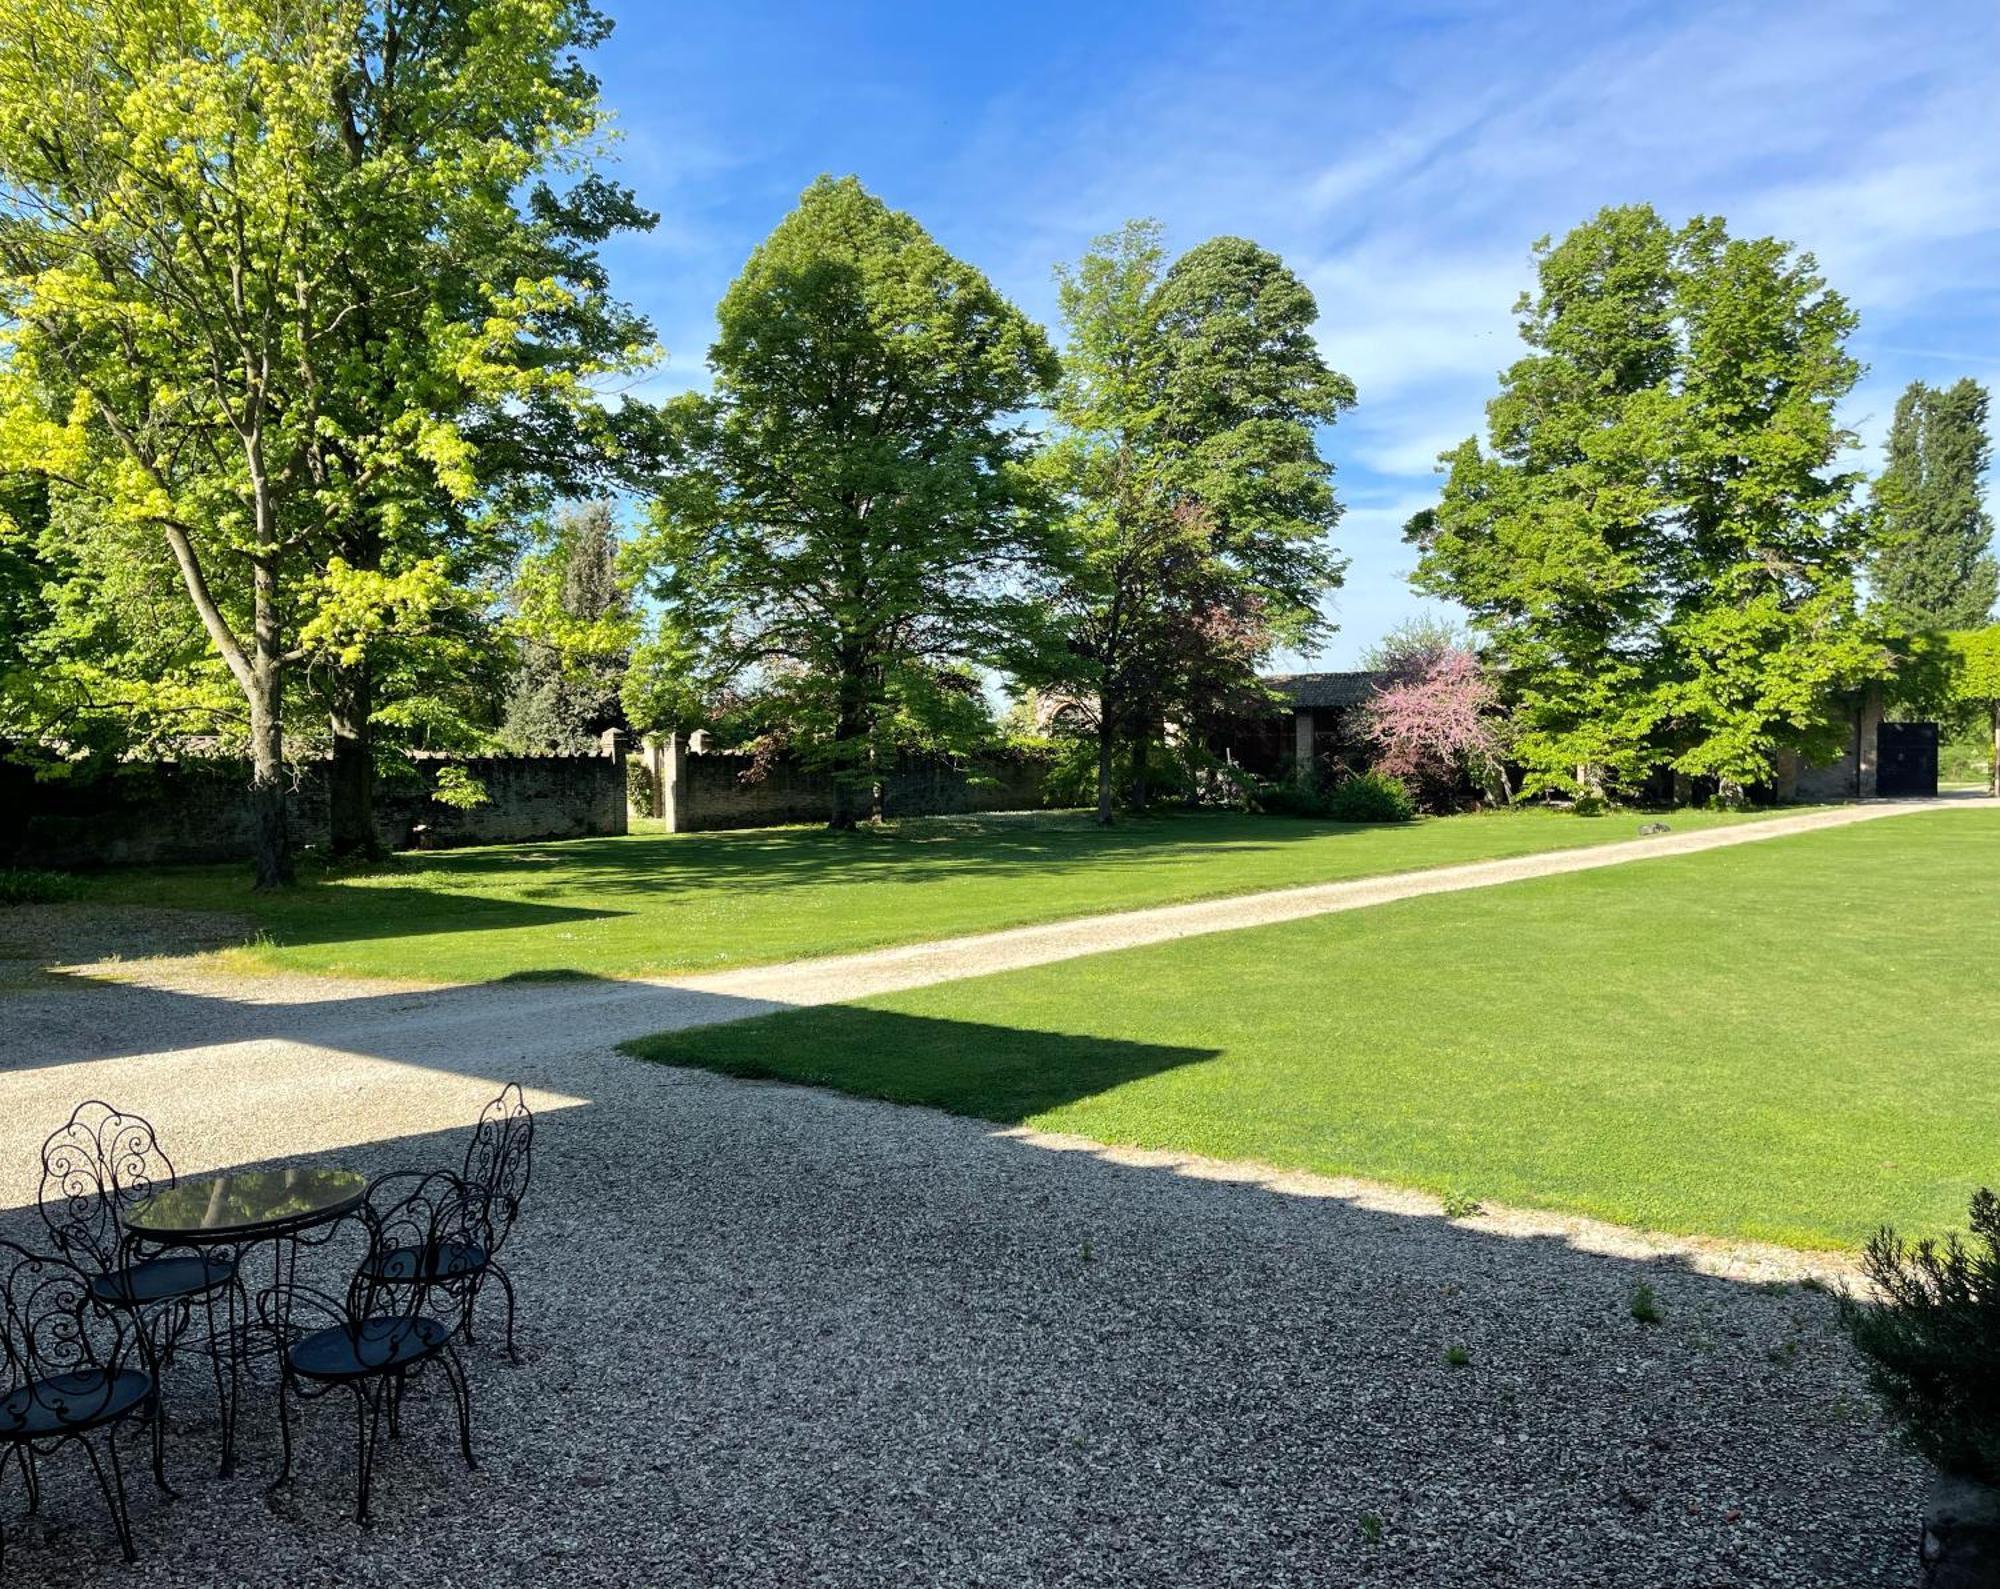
x=66, y=1374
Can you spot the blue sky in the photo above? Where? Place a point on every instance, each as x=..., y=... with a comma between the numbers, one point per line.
x=1401, y=157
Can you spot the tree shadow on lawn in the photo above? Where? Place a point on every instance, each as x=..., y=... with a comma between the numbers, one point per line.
x=1001, y=1073
x=778, y=859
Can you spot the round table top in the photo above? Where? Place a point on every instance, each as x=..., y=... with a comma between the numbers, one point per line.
x=245, y=1204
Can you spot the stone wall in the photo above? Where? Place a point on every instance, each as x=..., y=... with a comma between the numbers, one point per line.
x=161, y=812
x=697, y=790
x=1849, y=776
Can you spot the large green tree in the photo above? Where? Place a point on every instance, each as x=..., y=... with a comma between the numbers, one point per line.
x=844, y=516
x=575, y=620
x=235, y=331
x=1657, y=544
x=1935, y=568
x=1196, y=511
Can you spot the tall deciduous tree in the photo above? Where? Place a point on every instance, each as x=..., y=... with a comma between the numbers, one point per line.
x=575, y=621
x=1196, y=509
x=1935, y=568
x=844, y=514
x=215, y=328
x=1657, y=545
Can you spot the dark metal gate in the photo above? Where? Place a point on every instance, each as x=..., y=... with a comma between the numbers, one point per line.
x=1906, y=760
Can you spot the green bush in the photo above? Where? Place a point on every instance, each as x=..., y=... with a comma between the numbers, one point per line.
x=1371, y=797
x=1932, y=1341
x=639, y=786
x=23, y=887
x=1589, y=805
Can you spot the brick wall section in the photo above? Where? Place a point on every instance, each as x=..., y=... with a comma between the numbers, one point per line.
x=156, y=813
x=705, y=790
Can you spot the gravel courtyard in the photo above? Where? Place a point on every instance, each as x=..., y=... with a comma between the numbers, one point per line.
x=776, y=1336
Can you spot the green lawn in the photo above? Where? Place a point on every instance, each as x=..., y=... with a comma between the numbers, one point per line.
x=1790, y=1041
x=654, y=903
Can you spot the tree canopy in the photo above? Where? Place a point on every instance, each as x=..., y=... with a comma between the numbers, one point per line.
x=1658, y=545
x=1195, y=511
x=248, y=256
x=839, y=529
x=1935, y=568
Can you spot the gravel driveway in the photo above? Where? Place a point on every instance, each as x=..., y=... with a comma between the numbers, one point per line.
x=776, y=1336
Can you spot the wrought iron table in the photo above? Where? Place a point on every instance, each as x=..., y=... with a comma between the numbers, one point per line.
x=237, y=1210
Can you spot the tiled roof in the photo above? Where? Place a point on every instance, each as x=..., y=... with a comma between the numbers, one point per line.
x=1323, y=689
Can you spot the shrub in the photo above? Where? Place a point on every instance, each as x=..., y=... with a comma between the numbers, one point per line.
x=639, y=786
x=1589, y=805
x=1932, y=1341
x=1371, y=797
x=24, y=887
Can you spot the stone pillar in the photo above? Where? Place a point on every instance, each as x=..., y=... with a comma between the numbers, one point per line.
x=1785, y=776
x=1867, y=734
x=614, y=742
x=1302, y=744
x=673, y=781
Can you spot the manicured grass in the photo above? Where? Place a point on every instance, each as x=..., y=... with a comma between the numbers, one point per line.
x=656, y=903
x=1791, y=1041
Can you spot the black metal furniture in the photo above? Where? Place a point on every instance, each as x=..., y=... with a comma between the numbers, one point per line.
x=222, y=1217
x=68, y=1377
x=499, y=1162
x=385, y=1331
x=98, y=1166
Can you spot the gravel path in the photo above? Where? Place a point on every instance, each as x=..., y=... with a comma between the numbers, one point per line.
x=777, y=1336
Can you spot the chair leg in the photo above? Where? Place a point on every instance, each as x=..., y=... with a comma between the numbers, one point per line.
x=114, y=1490
x=461, y=1394
x=367, y=1415
x=507, y=1285
x=156, y=1359
x=228, y=1382
x=284, y=1429
x=29, y=1475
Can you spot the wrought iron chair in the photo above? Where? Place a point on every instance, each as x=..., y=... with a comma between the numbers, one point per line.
x=499, y=1162
x=384, y=1332
x=498, y=1165
x=100, y=1163
x=67, y=1374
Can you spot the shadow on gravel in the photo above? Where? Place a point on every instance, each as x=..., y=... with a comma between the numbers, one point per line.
x=777, y=1336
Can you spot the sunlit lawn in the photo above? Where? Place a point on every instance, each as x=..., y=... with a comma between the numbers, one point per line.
x=1790, y=1041
x=654, y=903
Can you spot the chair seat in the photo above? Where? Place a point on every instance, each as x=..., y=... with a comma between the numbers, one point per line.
x=445, y=1260
x=161, y=1279
x=377, y=1346
x=68, y=1403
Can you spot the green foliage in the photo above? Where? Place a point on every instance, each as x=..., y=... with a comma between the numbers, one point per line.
x=1194, y=508
x=1645, y=1304
x=1462, y=1205
x=1935, y=567
x=26, y=886
x=841, y=515
x=574, y=618
x=294, y=310
x=1457, y=1356
x=1656, y=546
x=458, y=788
x=1371, y=797
x=640, y=791
x=1931, y=1340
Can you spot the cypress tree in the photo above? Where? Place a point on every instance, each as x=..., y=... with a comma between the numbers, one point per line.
x=1935, y=569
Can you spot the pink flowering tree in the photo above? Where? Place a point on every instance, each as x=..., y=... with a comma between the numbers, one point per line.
x=1437, y=717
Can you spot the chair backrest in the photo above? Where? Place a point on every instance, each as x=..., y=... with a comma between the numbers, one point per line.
x=499, y=1160
x=50, y=1330
x=99, y=1162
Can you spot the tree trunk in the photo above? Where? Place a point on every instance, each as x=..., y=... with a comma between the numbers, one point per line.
x=1141, y=743
x=350, y=784
x=265, y=689
x=849, y=735
x=1107, y=749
